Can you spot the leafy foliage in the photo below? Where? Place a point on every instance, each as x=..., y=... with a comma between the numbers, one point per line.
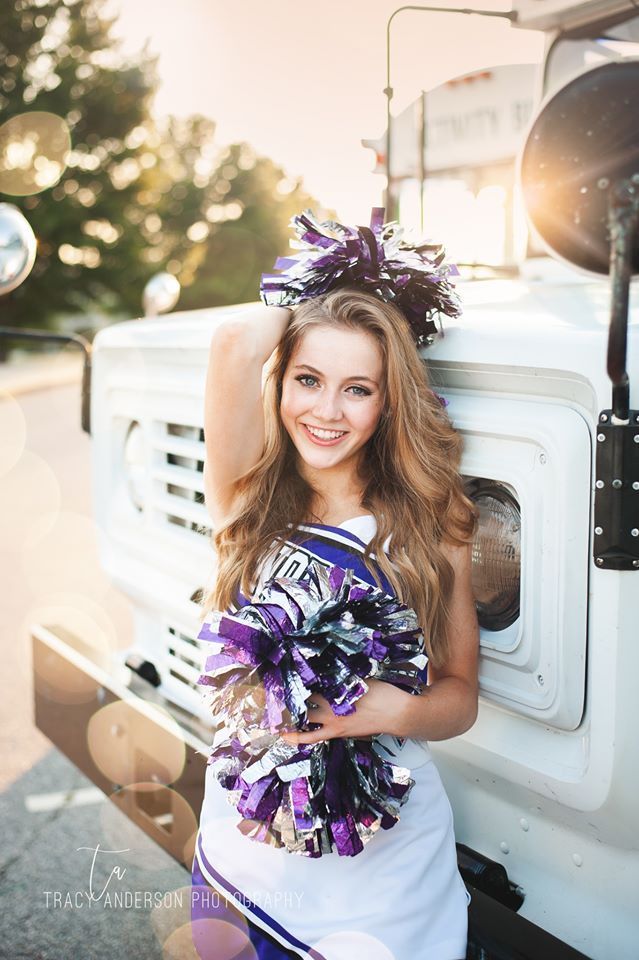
x=136, y=196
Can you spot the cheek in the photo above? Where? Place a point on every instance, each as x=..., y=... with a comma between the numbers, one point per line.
x=375, y=417
x=365, y=417
x=290, y=404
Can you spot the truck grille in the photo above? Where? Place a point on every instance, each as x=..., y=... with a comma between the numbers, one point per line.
x=177, y=471
x=185, y=657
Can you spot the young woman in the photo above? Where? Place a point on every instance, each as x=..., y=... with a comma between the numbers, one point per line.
x=346, y=456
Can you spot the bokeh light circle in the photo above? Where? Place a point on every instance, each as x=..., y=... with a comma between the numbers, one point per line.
x=34, y=148
x=87, y=627
x=13, y=430
x=30, y=494
x=346, y=944
x=198, y=922
x=216, y=940
x=65, y=557
x=128, y=745
x=152, y=823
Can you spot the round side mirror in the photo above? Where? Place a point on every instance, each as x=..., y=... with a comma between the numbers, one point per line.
x=17, y=248
x=584, y=139
x=161, y=294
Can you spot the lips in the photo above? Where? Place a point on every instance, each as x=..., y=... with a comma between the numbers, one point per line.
x=320, y=442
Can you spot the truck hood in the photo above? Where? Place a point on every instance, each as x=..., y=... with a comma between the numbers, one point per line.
x=558, y=323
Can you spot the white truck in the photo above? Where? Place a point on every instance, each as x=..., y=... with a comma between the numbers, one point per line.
x=544, y=786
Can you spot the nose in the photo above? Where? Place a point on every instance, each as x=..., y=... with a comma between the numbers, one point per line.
x=327, y=406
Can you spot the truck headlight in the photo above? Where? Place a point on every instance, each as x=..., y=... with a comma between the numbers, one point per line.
x=134, y=464
x=496, y=569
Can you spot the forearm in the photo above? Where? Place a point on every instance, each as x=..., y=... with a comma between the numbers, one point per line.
x=254, y=333
x=445, y=709
x=233, y=403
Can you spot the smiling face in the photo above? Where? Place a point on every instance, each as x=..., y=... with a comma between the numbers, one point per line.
x=332, y=394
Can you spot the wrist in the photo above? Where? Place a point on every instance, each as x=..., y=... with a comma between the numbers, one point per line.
x=399, y=717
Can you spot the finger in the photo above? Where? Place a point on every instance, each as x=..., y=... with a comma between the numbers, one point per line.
x=310, y=736
x=308, y=727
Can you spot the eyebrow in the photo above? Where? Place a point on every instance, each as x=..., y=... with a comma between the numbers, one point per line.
x=307, y=366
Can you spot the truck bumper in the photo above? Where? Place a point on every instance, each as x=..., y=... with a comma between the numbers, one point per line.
x=149, y=757
x=135, y=746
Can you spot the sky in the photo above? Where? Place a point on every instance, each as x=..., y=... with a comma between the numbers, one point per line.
x=303, y=83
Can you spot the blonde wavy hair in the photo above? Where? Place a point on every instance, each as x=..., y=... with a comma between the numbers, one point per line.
x=409, y=475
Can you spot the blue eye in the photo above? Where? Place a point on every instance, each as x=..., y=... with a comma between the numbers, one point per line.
x=303, y=377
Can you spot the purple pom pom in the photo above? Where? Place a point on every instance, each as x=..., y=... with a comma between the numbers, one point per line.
x=325, y=634
x=376, y=259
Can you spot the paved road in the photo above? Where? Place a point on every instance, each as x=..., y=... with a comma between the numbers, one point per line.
x=47, y=808
x=45, y=879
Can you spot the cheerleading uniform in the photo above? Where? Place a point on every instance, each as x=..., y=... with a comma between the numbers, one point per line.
x=401, y=898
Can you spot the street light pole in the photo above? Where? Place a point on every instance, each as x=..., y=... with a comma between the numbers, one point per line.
x=390, y=202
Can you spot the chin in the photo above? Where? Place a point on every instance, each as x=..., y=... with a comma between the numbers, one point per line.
x=318, y=461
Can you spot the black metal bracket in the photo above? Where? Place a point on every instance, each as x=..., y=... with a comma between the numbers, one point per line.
x=488, y=875
x=495, y=930
x=616, y=539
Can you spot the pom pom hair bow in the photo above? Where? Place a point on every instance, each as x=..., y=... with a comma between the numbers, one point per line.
x=414, y=277
x=321, y=634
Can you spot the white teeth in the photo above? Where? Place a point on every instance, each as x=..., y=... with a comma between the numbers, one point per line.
x=326, y=434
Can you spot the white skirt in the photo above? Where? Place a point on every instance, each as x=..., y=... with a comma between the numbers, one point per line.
x=401, y=898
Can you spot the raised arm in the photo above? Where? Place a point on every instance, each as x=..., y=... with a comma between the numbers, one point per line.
x=233, y=412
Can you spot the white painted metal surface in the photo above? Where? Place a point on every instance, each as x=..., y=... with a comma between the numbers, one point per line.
x=546, y=780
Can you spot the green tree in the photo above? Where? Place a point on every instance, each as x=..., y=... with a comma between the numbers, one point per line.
x=60, y=57
x=248, y=205
x=136, y=196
